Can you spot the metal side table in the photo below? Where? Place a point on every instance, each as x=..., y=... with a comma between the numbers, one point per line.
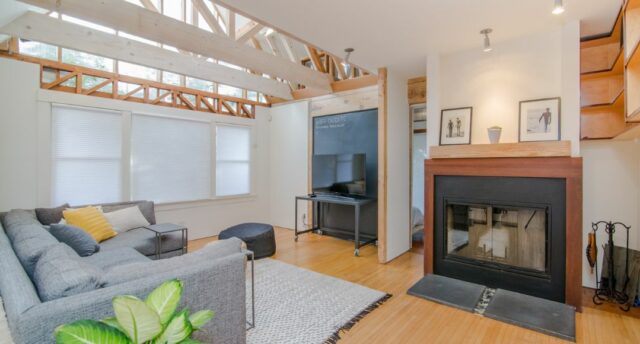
x=165, y=228
x=251, y=324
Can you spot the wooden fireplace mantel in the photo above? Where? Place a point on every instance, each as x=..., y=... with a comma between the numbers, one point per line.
x=566, y=168
x=503, y=150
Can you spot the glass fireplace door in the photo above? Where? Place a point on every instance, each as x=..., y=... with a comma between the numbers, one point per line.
x=505, y=235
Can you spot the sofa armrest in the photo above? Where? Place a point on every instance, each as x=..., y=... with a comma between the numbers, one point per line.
x=217, y=285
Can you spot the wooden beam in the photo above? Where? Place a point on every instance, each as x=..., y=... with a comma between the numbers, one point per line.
x=288, y=48
x=248, y=31
x=382, y=164
x=315, y=58
x=42, y=28
x=121, y=15
x=231, y=25
x=209, y=17
x=149, y=5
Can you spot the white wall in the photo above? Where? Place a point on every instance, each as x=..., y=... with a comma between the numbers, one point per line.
x=288, y=162
x=611, y=191
x=18, y=134
x=25, y=153
x=532, y=67
x=398, y=166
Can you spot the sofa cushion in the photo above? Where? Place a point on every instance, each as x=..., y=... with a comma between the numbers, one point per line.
x=126, y=219
x=146, y=207
x=108, y=259
x=215, y=250
x=144, y=241
x=17, y=291
x=47, y=216
x=92, y=221
x=60, y=272
x=28, y=238
x=79, y=240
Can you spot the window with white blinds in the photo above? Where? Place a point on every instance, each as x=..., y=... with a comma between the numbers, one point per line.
x=233, y=160
x=170, y=159
x=86, y=155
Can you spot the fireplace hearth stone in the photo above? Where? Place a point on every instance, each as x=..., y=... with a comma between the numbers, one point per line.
x=537, y=314
x=448, y=291
x=549, y=317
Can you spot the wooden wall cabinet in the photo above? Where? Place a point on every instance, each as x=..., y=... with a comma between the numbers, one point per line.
x=632, y=59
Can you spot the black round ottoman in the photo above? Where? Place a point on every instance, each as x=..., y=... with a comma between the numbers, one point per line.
x=259, y=238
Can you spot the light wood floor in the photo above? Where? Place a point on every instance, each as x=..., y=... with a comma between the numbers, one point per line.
x=407, y=319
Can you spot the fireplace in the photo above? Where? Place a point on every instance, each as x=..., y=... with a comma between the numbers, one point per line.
x=510, y=223
x=502, y=232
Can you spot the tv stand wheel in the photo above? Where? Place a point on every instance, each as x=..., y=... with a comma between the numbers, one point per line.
x=356, y=252
x=320, y=232
x=295, y=239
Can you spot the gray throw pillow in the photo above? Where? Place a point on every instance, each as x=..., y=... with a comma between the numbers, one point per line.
x=79, y=240
x=48, y=216
x=61, y=273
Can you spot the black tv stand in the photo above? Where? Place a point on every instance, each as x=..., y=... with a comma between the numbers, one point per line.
x=317, y=225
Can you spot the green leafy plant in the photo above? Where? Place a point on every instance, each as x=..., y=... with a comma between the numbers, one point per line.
x=152, y=321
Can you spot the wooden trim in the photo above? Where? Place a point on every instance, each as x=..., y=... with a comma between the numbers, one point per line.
x=336, y=86
x=382, y=164
x=315, y=59
x=566, y=168
x=142, y=84
x=503, y=150
x=417, y=90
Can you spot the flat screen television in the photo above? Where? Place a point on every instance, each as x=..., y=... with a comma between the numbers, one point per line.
x=341, y=174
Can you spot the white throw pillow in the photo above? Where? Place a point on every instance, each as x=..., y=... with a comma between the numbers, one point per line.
x=126, y=219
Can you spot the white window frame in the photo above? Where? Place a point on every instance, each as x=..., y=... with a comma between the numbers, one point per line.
x=127, y=110
x=251, y=161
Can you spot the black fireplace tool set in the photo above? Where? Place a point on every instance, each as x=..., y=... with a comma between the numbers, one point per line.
x=607, y=287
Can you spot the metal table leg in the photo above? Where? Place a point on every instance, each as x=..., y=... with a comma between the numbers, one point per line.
x=357, y=230
x=296, y=222
x=251, y=324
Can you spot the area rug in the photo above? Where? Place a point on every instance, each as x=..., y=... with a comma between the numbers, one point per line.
x=294, y=305
x=5, y=335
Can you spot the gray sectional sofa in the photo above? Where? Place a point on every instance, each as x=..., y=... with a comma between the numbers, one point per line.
x=34, y=266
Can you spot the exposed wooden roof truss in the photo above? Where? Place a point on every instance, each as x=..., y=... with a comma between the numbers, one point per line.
x=209, y=40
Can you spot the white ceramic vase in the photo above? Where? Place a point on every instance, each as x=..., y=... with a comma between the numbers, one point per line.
x=494, y=134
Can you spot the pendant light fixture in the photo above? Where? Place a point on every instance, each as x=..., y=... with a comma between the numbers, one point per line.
x=347, y=63
x=487, y=42
x=558, y=8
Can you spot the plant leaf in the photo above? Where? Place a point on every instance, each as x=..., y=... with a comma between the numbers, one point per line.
x=178, y=329
x=164, y=299
x=190, y=341
x=199, y=319
x=138, y=321
x=113, y=322
x=89, y=332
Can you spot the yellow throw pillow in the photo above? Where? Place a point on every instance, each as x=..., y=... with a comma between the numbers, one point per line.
x=92, y=221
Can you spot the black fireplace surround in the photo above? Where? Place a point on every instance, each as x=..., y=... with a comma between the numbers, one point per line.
x=509, y=232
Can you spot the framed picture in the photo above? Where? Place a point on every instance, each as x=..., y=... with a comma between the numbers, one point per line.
x=539, y=120
x=455, y=126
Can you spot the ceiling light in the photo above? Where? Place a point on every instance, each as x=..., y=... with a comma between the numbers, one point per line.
x=348, y=52
x=487, y=42
x=558, y=8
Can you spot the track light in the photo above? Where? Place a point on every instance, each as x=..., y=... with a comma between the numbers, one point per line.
x=558, y=8
x=487, y=41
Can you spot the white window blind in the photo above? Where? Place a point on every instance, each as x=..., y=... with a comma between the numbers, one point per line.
x=171, y=159
x=233, y=160
x=87, y=155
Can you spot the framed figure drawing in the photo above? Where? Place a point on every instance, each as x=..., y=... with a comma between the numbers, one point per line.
x=539, y=120
x=455, y=126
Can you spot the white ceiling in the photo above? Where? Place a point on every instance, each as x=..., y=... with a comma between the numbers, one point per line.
x=400, y=33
